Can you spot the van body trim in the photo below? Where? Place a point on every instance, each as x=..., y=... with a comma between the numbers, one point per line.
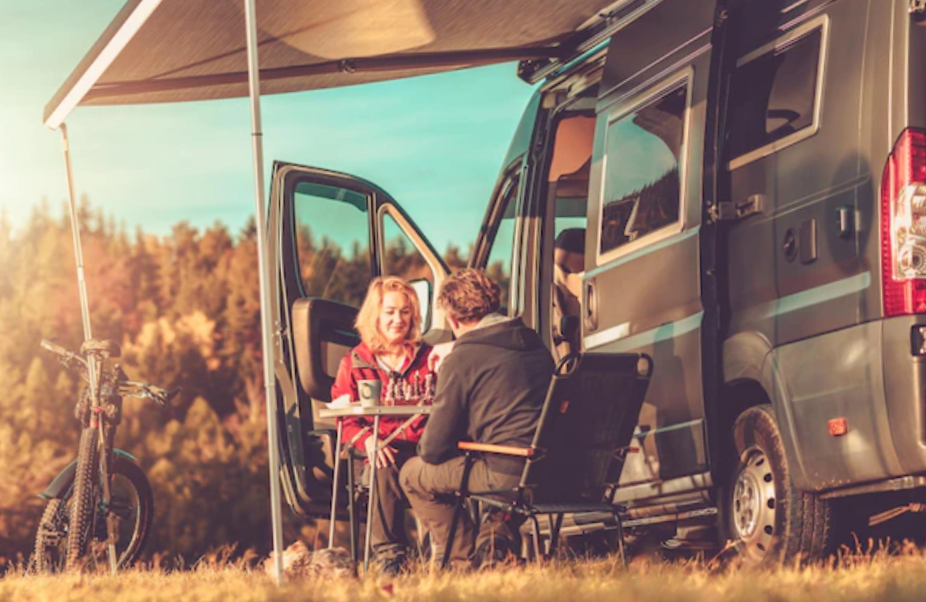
x=664, y=332
x=650, y=248
x=810, y=297
x=665, y=429
x=658, y=488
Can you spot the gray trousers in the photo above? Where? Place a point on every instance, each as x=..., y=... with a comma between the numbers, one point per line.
x=388, y=537
x=430, y=489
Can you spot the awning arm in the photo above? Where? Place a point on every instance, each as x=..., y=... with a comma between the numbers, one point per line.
x=120, y=32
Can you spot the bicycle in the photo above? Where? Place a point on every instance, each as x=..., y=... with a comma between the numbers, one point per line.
x=102, y=502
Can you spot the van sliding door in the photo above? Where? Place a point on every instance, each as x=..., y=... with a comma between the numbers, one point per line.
x=641, y=291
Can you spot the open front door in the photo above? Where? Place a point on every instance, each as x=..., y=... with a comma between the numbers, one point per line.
x=331, y=234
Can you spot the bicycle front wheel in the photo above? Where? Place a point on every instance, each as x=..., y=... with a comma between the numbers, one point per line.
x=84, y=497
x=131, y=508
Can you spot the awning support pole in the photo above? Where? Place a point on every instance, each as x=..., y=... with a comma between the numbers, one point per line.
x=257, y=147
x=82, y=285
x=75, y=237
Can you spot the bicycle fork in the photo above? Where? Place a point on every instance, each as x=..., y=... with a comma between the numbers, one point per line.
x=105, y=446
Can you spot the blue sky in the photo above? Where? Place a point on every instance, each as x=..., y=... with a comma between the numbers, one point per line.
x=435, y=143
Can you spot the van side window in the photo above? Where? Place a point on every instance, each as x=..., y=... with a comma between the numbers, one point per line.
x=335, y=265
x=642, y=192
x=773, y=94
x=498, y=265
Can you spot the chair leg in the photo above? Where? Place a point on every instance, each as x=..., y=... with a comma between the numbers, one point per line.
x=555, y=526
x=535, y=536
x=457, y=510
x=620, y=539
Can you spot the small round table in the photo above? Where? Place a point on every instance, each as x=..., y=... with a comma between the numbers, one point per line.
x=355, y=409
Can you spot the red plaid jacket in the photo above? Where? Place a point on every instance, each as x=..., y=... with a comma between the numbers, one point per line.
x=360, y=364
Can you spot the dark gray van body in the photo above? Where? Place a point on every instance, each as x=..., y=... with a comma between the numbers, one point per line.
x=725, y=160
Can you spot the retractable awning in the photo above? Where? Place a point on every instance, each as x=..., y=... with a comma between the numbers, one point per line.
x=184, y=50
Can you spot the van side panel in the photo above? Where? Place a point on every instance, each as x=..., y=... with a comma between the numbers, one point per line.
x=824, y=362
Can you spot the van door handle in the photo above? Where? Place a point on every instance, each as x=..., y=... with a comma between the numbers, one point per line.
x=591, y=305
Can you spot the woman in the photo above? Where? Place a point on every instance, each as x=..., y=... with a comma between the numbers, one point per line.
x=391, y=350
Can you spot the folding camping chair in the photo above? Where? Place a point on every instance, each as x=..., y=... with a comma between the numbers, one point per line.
x=586, y=424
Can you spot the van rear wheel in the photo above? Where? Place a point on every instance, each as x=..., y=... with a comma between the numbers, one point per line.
x=766, y=520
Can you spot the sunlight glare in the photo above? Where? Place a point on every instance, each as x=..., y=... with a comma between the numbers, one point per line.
x=338, y=30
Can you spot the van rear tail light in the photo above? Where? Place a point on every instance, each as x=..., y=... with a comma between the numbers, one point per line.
x=903, y=226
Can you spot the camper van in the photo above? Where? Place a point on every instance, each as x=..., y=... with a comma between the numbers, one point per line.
x=746, y=180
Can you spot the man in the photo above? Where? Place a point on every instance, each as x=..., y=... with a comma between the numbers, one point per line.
x=490, y=390
x=568, y=269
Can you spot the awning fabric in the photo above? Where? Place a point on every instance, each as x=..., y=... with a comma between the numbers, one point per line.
x=184, y=50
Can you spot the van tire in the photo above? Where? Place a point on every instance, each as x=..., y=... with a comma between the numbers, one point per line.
x=765, y=520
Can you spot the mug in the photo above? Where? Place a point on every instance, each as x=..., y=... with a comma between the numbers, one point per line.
x=370, y=392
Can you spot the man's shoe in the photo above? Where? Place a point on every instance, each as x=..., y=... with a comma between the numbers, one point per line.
x=394, y=566
x=494, y=552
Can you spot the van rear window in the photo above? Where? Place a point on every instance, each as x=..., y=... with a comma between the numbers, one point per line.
x=773, y=95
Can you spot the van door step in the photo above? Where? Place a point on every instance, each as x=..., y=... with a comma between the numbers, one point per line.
x=668, y=518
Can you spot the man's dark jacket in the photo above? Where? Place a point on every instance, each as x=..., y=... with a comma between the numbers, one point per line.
x=490, y=390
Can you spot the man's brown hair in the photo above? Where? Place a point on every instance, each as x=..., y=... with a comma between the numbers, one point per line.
x=469, y=295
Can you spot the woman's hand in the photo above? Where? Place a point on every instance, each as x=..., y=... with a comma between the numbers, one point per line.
x=386, y=455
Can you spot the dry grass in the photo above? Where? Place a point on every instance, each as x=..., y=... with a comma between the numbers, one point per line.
x=856, y=578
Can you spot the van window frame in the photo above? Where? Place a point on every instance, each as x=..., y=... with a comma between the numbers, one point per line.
x=664, y=87
x=804, y=30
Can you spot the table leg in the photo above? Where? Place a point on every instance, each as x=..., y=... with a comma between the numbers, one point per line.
x=351, y=510
x=371, y=498
x=334, y=485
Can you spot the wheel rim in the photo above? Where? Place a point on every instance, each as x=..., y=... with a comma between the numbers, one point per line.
x=125, y=508
x=754, y=507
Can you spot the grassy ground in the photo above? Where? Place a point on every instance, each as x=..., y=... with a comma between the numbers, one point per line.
x=866, y=578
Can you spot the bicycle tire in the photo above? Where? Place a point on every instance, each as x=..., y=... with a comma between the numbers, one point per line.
x=83, y=498
x=52, y=535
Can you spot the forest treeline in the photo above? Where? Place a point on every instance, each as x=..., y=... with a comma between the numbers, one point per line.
x=185, y=308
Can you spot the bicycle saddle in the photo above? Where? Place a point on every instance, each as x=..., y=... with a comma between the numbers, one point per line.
x=104, y=348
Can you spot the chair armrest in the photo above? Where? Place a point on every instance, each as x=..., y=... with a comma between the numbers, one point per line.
x=505, y=450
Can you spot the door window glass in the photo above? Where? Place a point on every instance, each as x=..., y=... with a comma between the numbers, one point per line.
x=773, y=95
x=498, y=266
x=332, y=242
x=642, y=192
x=400, y=257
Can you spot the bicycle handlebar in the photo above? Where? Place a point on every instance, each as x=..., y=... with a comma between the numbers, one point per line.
x=129, y=388
x=65, y=355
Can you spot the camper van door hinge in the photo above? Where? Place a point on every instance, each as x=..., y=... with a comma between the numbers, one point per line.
x=918, y=7
x=729, y=210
